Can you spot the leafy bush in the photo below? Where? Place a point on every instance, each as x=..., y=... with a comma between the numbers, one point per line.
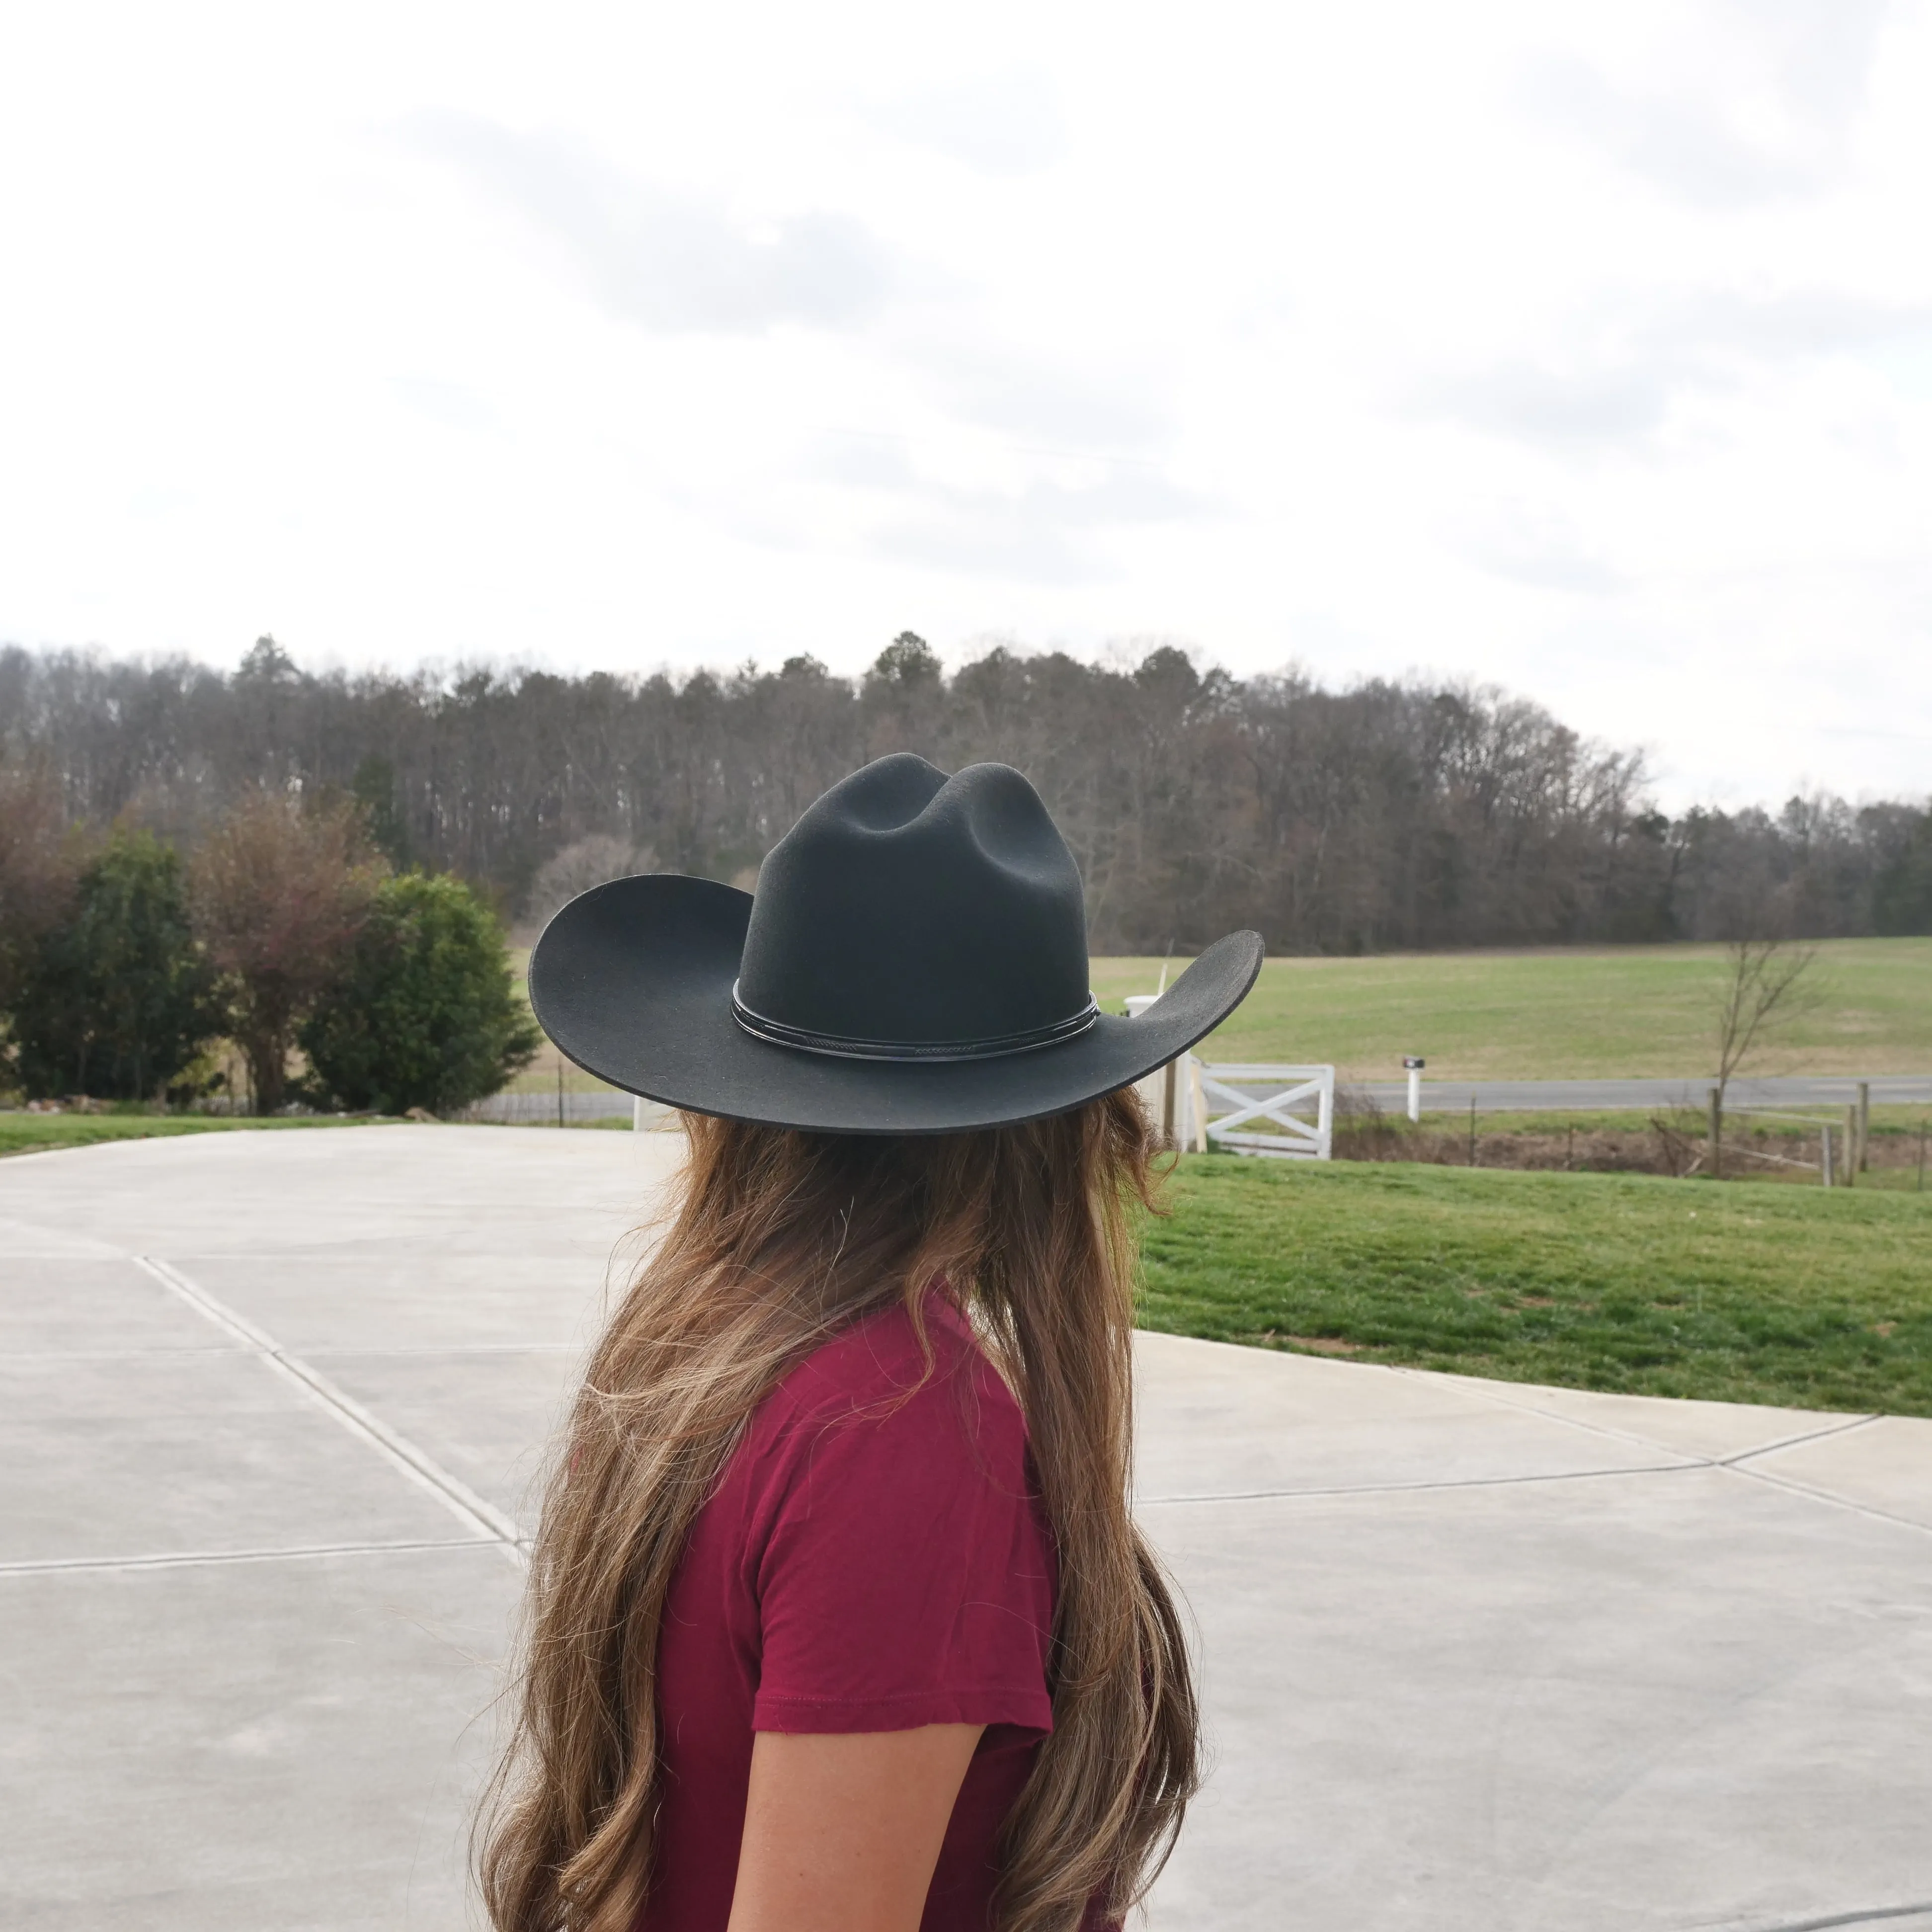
x=116, y=999
x=425, y=1014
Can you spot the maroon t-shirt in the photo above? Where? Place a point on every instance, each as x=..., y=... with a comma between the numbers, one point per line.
x=874, y=1560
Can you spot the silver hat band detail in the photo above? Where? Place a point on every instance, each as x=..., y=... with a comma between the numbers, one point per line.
x=775, y=1033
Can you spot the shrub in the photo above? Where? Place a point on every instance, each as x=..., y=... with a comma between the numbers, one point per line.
x=426, y=1014
x=116, y=999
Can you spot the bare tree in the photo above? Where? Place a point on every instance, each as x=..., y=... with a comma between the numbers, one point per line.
x=279, y=894
x=579, y=865
x=1765, y=986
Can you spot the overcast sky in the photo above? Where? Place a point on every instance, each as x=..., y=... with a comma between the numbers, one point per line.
x=1583, y=349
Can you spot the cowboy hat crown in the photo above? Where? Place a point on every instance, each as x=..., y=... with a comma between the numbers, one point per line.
x=910, y=915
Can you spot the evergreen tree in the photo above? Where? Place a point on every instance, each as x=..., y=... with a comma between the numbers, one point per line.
x=117, y=998
x=427, y=1013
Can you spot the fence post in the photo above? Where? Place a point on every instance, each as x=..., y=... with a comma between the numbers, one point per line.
x=1157, y=1090
x=1824, y=1152
x=1864, y=1126
x=1848, y=1159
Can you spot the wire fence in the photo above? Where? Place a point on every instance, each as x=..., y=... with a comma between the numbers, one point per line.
x=540, y=1109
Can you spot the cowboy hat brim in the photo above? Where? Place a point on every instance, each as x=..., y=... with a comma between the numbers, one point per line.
x=633, y=981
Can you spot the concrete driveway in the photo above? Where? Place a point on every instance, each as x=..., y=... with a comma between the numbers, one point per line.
x=1478, y=1655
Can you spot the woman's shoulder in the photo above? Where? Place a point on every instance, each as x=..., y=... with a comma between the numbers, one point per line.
x=875, y=1443
x=902, y=1375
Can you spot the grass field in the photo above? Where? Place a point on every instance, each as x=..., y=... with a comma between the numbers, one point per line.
x=1634, y=1011
x=1628, y=1011
x=1747, y=1292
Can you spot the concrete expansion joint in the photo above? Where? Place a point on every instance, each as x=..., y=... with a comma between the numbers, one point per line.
x=475, y=1512
x=1411, y=1488
x=406, y=1349
x=1872, y=1916
x=1844, y=1428
x=1734, y=1464
x=123, y=1355
x=182, y=1559
x=1812, y=1494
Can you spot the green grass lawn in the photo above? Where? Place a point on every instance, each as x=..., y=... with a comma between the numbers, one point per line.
x=1634, y=1011
x=34, y=1133
x=1741, y=1292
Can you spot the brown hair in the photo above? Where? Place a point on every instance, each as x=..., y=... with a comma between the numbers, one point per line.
x=780, y=1239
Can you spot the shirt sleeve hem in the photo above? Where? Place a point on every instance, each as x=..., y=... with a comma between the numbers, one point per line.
x=1027, y=1707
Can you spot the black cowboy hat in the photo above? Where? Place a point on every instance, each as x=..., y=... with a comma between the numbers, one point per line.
x=914, y=962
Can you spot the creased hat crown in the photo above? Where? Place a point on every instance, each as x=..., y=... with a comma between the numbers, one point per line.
x=906, y=907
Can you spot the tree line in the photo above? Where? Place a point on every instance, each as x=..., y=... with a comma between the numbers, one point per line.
x=1386, y=815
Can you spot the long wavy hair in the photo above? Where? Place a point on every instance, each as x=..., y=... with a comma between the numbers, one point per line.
x=778, y=1240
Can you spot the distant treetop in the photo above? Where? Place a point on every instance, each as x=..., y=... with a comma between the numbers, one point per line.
x=908, y=660
x=266, y=662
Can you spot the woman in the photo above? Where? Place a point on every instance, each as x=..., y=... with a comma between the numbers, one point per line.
x=838, y=1620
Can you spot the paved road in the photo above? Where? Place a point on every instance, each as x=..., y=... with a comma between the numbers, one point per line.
x=1478, y=1657
x=1800, y=1091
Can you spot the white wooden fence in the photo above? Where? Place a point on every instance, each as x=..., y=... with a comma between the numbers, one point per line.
x=1261, y=1109
x=1282, y=1113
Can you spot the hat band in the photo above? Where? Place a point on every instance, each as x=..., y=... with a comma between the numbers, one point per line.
x=777, y=1033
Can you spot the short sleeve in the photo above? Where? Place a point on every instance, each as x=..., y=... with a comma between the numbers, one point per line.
x=906, y=1578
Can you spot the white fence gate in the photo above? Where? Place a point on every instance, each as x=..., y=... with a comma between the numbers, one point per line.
x=1282, y=1113
x=1264, y=1110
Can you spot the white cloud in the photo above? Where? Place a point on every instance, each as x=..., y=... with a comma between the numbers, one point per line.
x=1753, y=99
x=1611, y=375
x=1005, y=123
x=663, y=260
x=1066, y=399
x=1579, y=348
x=1529, y=543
